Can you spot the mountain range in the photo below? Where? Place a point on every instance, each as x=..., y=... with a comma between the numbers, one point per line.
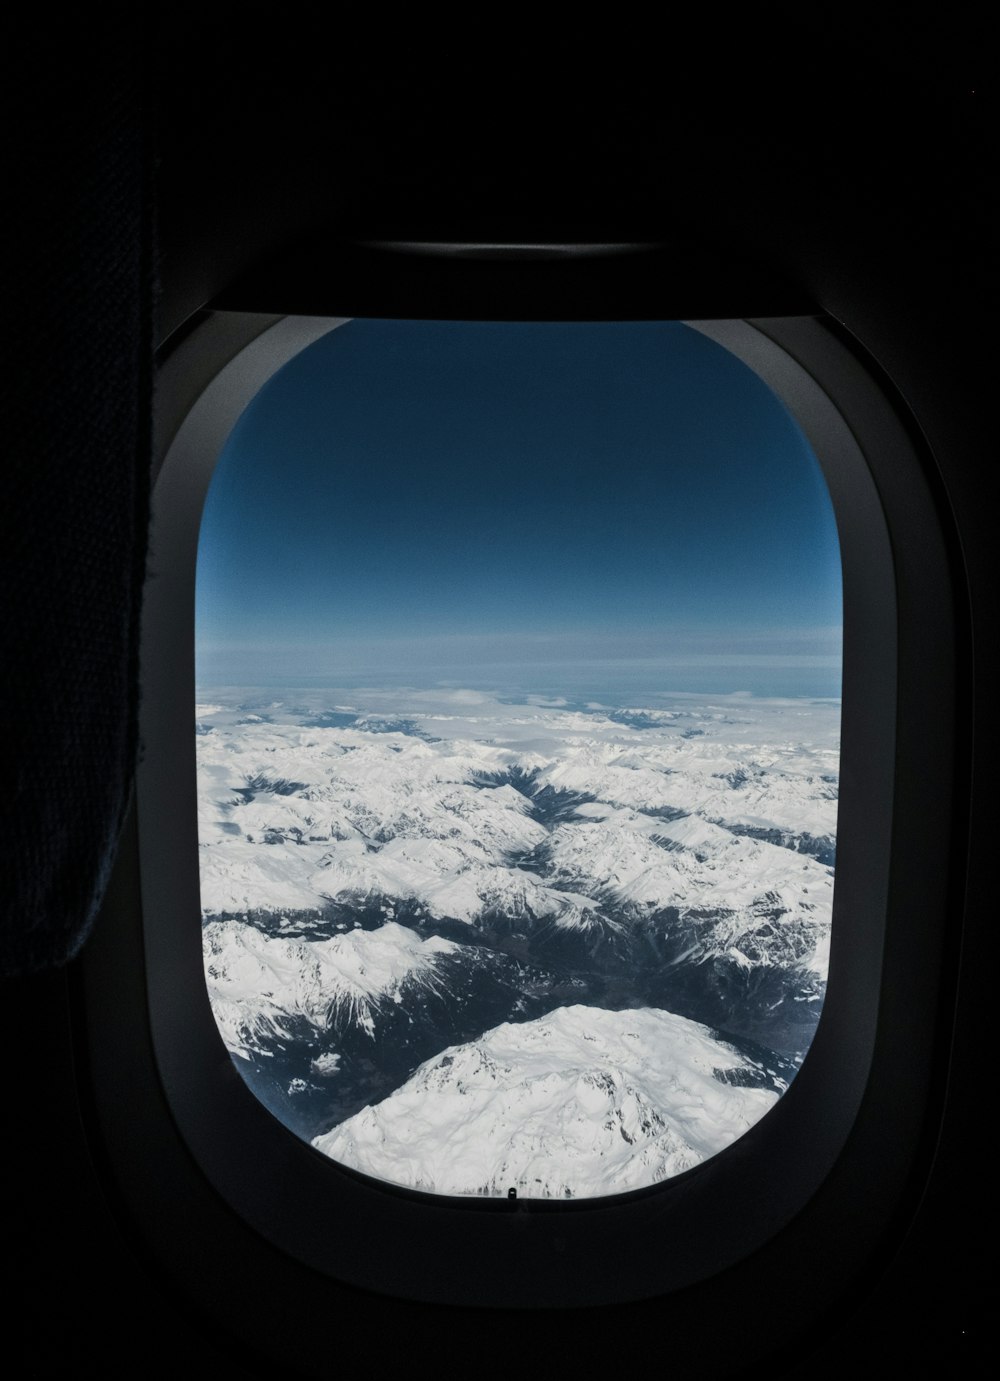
x=386, y=888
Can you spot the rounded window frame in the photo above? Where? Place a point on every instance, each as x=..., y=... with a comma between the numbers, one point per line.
x=527, y=1253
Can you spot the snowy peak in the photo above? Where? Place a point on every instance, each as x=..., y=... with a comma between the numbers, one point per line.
x=579, y=1103
x=260, y=984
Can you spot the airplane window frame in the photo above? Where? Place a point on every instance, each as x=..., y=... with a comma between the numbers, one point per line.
x=533, y=1253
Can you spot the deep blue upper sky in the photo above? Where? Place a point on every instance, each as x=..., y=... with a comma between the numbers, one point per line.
x=484, y=503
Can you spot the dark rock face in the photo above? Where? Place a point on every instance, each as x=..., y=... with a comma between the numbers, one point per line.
x=824, y=849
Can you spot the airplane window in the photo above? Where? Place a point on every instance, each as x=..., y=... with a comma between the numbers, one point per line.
x=518, y=721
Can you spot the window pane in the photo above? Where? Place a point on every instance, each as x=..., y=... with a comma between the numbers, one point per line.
x=519, y=673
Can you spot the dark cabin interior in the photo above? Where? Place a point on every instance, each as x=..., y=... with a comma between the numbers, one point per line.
x=162, y=161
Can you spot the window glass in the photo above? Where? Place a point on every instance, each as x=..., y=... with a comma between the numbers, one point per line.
x=519, y=655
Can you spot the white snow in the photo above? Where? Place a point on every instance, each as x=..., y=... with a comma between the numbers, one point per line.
x=394, y=815
x=538, y=812
x=260, y=984
x=702, y=866
x=580, y=1103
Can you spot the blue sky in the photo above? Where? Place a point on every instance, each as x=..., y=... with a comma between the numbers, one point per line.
x=599, y=509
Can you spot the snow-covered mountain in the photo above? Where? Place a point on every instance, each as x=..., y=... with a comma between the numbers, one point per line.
x=579, y=1103
x=321, y=1023
x=385, y=880
x=263, y=986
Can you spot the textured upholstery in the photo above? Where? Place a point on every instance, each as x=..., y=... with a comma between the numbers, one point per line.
x=77, y=343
